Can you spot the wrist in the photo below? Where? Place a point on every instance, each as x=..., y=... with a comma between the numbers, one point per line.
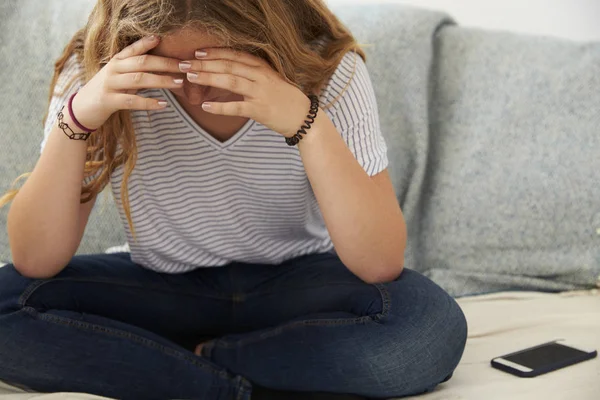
x=310, y=117
x=303, y=109
x=90, y=117
x=319, y=131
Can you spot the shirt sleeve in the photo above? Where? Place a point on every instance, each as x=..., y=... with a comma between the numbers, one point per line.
x=355, y=114
x=69, y=81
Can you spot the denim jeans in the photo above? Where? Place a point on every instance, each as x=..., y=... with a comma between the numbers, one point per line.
x=110, y=327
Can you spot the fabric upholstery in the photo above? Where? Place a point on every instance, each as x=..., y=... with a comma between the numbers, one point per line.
x=512, y=195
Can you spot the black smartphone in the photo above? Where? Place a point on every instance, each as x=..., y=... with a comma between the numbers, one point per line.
x=542, y=359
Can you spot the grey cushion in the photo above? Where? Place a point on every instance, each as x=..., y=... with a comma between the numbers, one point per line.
x=512, y=197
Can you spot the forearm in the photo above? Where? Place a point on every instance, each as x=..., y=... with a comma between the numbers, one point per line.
x=43, y=218
x=366, y=225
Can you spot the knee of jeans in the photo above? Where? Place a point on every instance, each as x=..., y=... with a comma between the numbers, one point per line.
x=445, y=341
x=451, y=339
x=427, y=359
x=12, y=286
x=425, y=343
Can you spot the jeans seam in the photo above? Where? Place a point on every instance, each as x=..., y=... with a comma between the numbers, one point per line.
x=119, y=334
x=284, y=290
x=36, y=284
x=377, y=318
x=28, y=292
x=386, y=302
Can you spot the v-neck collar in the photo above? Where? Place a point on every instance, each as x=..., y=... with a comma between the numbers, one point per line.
x=197, y=128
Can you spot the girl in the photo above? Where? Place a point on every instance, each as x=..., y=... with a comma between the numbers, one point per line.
x=242, y=144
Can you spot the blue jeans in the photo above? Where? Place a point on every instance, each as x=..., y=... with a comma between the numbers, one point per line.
x=110, y=327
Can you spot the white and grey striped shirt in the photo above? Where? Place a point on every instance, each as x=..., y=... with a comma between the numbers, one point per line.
x=197, y=202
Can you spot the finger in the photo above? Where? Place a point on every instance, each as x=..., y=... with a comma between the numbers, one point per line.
x=133, y=102
x=221, y=67
x=233, y=109
x=138, y=48
x=143, y=80
x=233, y=83
x=224, y=53
x=147, y=63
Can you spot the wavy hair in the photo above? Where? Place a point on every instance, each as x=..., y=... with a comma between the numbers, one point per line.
x=296, y=37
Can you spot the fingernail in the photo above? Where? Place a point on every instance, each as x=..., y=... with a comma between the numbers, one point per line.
x=162, y=104
x=201, y=53
x=178, y=81
x=152, y=38
x=185, y=66
x=206, y=106
x=192, y=75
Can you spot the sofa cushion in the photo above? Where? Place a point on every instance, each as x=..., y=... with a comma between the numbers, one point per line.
x=511, y=199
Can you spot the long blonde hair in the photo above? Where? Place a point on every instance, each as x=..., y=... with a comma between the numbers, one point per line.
x=301, y=39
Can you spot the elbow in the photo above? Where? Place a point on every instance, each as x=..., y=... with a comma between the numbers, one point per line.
x=39, y=262
x=382, y=273
x=390, y=267
x=388, y=270
x=385, y=270
x=386, y=274
x=33, y=272
x=35, y=269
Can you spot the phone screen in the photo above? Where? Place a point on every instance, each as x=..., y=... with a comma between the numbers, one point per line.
x=545, y=355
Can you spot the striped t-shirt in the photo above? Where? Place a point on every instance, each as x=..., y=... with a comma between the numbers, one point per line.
x=197, y=202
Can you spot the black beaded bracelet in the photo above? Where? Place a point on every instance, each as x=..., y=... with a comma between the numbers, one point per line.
x=314, y=109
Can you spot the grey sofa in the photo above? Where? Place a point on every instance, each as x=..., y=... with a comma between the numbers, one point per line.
x=494, y=141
